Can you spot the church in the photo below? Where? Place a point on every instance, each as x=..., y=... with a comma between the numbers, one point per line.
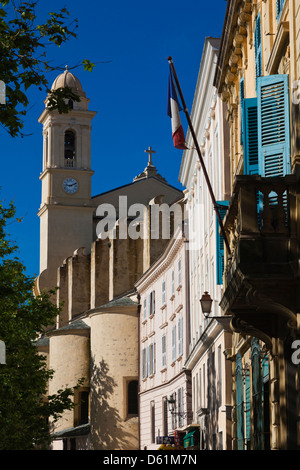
x=94, y=249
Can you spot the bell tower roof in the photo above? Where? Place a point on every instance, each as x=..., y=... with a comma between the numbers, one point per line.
x=67, y=79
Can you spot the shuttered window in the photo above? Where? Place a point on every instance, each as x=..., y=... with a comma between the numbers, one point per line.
x=279, y=8
x=248, y=410
x=144, y=363
x=273, y=125
x=242, y=97
x=174, y=343
x=180, y=336
x=172, y=282
x=163, y=351
x=220, y=242
x=258, y=47
x=179, y=272
x=151, y=300
x=258, y=443
x=239, y=402
x=250, y=136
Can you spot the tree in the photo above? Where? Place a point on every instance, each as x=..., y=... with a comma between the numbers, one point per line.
x=23, y=50
x=24, y=411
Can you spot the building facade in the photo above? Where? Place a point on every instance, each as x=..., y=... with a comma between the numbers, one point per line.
x=208, y=338
x=165, y=384
x=89, y=251
x=257, y=76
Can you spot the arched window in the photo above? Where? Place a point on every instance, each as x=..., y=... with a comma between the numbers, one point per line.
x=132, y=396
x=70, y=148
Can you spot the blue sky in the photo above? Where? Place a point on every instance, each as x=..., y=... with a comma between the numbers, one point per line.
x=129, y=94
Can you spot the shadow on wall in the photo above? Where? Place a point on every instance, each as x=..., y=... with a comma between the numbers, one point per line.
x=108, y=430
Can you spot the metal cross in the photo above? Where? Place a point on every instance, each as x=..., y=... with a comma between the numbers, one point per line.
x=150, y=151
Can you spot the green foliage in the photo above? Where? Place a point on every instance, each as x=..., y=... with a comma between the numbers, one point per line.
x=24, y=406
x=23, y=49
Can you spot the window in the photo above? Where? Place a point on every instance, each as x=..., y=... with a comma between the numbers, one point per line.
x=266, y=135
x=174, y=415
x=180, y=336
x=204, y=390
x=220, y=242
x=70, y=148
x=250, y=136
x=279, y=8
x=148, y=360
x=163, y=351
x=179, y=272
x=152, y=420
x=180, y=406
x=219, y=375
x=144, y=363
x=247, y=410
x=220, y=440
x=163, y=288
x=151, y=359
x=145, y=309
x=172, y=283
x=258, y=47
x=152, y=303
x=200, y=389
x=81, y=411
x=132, y=397
x=242, y=97
x=165, y=416
x=174, y=343
x=239, y=402
x=273, y=125
x=83, y=407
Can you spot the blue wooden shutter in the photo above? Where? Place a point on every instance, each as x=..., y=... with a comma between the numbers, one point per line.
x=242, y=97
x=239, y=402
x=258, y=47
x=279, y=8
x=247, y=410
x=257, y=395
x=250, y=136
x=220, y=242
x=273, y=125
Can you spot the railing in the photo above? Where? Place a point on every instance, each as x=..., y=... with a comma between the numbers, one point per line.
x=260, y=209
x=69, y=162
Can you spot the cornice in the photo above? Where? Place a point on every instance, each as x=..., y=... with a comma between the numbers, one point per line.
x=238, y=15
x=162, y=264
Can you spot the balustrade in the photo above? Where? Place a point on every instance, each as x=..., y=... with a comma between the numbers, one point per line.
x=259, y=213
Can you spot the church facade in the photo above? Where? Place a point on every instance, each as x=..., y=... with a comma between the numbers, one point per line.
x=94, y=260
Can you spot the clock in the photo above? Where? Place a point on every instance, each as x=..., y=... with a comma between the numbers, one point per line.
x=70, y=185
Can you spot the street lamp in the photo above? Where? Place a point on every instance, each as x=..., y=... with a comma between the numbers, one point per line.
x=206, y=303
x=171, y=402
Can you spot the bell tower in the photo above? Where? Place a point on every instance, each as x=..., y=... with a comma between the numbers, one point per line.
x=66, y=212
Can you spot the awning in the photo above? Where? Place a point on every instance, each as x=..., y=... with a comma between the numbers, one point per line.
x=189, y=439
x=81, y=430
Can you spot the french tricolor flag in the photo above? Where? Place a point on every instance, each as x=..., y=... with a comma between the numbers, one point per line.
x=173, y=111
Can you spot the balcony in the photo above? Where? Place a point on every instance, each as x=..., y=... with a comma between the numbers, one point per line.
x=261, y=275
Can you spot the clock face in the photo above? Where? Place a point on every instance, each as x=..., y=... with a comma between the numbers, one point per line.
x=70, y=185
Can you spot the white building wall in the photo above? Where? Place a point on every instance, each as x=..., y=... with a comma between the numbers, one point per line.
x=207, y=336
x=166, y=376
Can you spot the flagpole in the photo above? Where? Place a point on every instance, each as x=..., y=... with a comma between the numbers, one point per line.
x=215, y=205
